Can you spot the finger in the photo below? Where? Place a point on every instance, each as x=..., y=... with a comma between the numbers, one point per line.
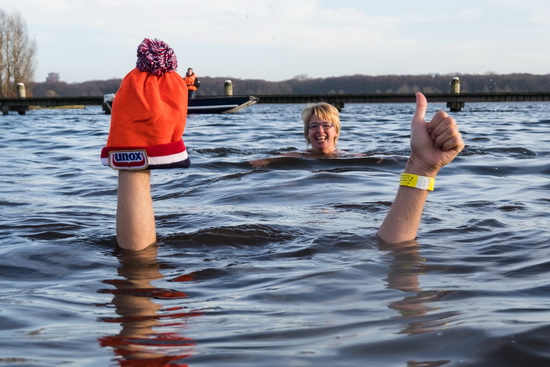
x=442, y=138
x=439, y=123
x=455, y=143
x=449, y=139
x=421, y=106
x=439, y=119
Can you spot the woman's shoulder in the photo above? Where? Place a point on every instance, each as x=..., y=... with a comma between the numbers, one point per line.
x=339, y=153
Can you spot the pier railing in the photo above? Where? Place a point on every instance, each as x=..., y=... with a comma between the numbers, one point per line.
x=406, y=97
x=21, y=105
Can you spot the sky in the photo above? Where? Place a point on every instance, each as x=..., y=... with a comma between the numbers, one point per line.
x=277, y=40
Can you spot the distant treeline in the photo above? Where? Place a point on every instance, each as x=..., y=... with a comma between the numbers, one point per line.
x=302, y=84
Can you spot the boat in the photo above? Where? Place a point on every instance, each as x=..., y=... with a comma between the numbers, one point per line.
x=220, y=104
x=214, y=104
x=108, y=102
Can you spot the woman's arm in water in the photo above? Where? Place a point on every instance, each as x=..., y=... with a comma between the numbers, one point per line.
x=434, y=144
x=135, y=219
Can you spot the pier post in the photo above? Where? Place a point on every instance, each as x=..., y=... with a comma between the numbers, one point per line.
x=455, y=85
x=21, y=93
x=455, y=89
x=338, y=104
x=228, y=88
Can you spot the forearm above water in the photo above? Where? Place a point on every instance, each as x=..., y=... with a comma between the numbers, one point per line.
x=135, y=219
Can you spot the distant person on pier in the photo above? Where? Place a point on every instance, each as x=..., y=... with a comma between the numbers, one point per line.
x=193, y=83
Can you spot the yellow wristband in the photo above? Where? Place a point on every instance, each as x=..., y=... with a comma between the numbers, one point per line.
x=419, y=182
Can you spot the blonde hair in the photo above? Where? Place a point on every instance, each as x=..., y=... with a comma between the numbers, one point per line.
x=324, y=111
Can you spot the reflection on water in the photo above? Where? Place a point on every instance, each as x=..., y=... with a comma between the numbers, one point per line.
x=417, y=308
x=142, y=340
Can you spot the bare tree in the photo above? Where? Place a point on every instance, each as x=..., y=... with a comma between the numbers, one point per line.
x=17, y=54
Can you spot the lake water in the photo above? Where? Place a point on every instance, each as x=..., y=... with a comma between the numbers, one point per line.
x=278, y=266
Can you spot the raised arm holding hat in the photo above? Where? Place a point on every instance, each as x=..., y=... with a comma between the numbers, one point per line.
x=147, y=123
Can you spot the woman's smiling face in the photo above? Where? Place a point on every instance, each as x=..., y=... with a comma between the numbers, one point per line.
x=322, y=135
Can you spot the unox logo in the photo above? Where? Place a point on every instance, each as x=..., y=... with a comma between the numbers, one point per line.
x=128, y=159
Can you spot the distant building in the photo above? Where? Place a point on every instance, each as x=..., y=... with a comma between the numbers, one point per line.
x=53, y=77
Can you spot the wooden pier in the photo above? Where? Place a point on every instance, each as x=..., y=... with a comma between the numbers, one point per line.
x=21, y=105
x=340, y=100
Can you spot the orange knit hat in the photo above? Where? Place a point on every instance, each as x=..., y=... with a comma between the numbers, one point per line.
x=149, y=114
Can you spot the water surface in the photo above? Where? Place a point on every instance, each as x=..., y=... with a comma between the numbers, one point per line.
x=278, y=265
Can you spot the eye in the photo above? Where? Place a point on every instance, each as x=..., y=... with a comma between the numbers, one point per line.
x=324, y=125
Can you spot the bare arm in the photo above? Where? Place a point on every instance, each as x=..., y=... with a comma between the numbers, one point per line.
x=434, y=144
x=135, y=219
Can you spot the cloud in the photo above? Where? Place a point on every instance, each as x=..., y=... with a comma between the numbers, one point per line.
x=278, y=39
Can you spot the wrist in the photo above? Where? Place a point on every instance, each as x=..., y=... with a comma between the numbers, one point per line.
x=417, y=167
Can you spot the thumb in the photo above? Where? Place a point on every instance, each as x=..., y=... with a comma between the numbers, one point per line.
x=421, y=106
